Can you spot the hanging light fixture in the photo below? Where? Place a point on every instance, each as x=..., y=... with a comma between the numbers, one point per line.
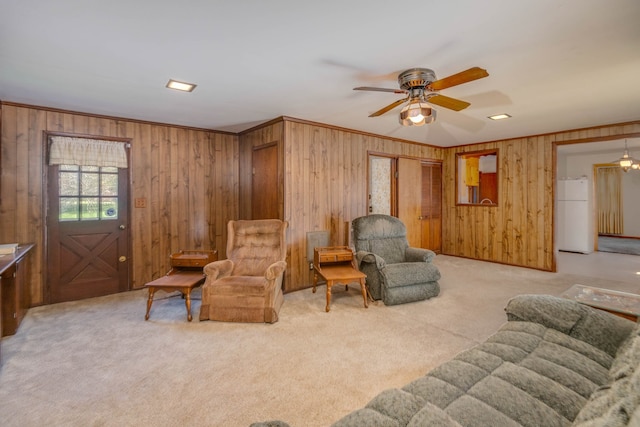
x=627, y=162
x=417, y=113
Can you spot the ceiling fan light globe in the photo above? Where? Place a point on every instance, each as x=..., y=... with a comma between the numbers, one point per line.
x=416, y=114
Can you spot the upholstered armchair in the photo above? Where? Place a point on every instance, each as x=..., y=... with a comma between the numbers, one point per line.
x=396, y=273
x=247, y=286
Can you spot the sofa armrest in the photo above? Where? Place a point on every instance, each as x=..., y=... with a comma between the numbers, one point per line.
x=596, y=327
x=370, y=258
x=218, y=269
x=419, y=255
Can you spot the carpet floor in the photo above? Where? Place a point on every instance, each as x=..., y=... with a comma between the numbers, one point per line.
x=97, y=362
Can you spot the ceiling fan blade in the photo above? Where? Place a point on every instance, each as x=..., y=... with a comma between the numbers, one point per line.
x=469, y=75
x=388, y=107
x=447, y=102
x=379, y=89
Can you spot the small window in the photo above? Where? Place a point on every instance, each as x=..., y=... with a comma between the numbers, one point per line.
x=477, y=177
x=88, y=193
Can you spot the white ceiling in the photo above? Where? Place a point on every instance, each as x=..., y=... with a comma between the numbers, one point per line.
x=553, y=64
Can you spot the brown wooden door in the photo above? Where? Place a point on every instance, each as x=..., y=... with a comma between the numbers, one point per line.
x=409, y=199
x=419, y=202
x=87, y=232
x=264, y=183
x=432, y=206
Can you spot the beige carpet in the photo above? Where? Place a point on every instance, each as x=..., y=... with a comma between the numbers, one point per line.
x=98, y=363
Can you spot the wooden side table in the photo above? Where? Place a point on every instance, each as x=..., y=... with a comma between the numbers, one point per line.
x=185, y=275
x=336, y=264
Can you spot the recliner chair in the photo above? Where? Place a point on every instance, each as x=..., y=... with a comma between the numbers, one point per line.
x=247, y=286
x=396, y=273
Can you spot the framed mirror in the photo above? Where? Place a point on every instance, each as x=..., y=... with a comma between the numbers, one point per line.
x=477, y=178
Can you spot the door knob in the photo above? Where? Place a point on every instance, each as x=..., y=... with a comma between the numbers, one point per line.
x=122, y=226
x=122, y=258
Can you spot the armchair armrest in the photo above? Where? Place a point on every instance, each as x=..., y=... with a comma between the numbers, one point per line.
x=370, y=258
x=275, y=270
x=419, y=255
x=598, y=328
x=218, y=269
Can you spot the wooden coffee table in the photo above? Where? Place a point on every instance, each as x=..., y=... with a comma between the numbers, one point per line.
x=185, y=275
x=622, y=304
x=181, y=281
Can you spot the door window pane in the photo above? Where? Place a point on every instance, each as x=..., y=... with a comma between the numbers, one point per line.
x=68, y=209
x=109, y=208
x=89, y=184
x=109, y=186
x=89, y=207
x=68, y=183
x=87, y=193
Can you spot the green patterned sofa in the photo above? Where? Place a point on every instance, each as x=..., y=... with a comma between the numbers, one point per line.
x=554, y=363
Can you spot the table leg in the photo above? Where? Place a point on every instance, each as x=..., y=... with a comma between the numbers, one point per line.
x=188, y=303
x=329, y=283
x=152, y=290
x=363, y=288
x=315, y=281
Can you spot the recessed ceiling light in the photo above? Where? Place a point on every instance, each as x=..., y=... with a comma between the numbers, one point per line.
x=185, y=87
x=499, y=116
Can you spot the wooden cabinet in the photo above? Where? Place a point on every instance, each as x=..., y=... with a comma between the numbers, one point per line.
x=14, y=289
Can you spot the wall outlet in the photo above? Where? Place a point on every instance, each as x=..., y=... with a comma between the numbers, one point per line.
x=141, y=202
x=310, y=266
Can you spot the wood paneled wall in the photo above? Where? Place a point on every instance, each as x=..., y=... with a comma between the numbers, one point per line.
x=196, y=180
x=326, y=184
x=189, y=178
x=520, y=230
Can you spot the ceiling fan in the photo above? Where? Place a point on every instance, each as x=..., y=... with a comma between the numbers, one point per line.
x=421, y=87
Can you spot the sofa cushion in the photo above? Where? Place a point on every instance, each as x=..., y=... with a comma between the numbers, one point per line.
x=617, y=402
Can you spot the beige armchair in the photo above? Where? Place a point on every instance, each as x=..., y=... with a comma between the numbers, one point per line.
x=247, y=286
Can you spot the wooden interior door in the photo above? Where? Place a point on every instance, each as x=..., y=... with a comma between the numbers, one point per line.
x=432, y=206
x=87, y=232
x=410, y=199
x=264, y=183
x=420, y=202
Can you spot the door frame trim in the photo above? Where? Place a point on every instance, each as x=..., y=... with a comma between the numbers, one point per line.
x=44, y=253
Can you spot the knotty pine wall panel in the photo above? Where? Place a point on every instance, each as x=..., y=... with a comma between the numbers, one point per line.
x=326, y=184
x=520, y=230
x=189, y=178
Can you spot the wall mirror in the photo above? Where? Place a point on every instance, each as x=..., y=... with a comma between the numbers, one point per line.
x=477, y=177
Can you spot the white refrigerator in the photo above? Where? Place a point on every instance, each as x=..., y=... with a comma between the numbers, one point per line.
x=575, y=216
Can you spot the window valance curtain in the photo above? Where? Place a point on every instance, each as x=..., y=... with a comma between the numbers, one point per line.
x=65, y=150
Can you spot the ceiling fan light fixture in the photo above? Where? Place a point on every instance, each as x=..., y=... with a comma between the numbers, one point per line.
x=417, y=113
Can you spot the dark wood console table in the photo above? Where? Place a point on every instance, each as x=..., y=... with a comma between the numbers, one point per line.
x=15, y=297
